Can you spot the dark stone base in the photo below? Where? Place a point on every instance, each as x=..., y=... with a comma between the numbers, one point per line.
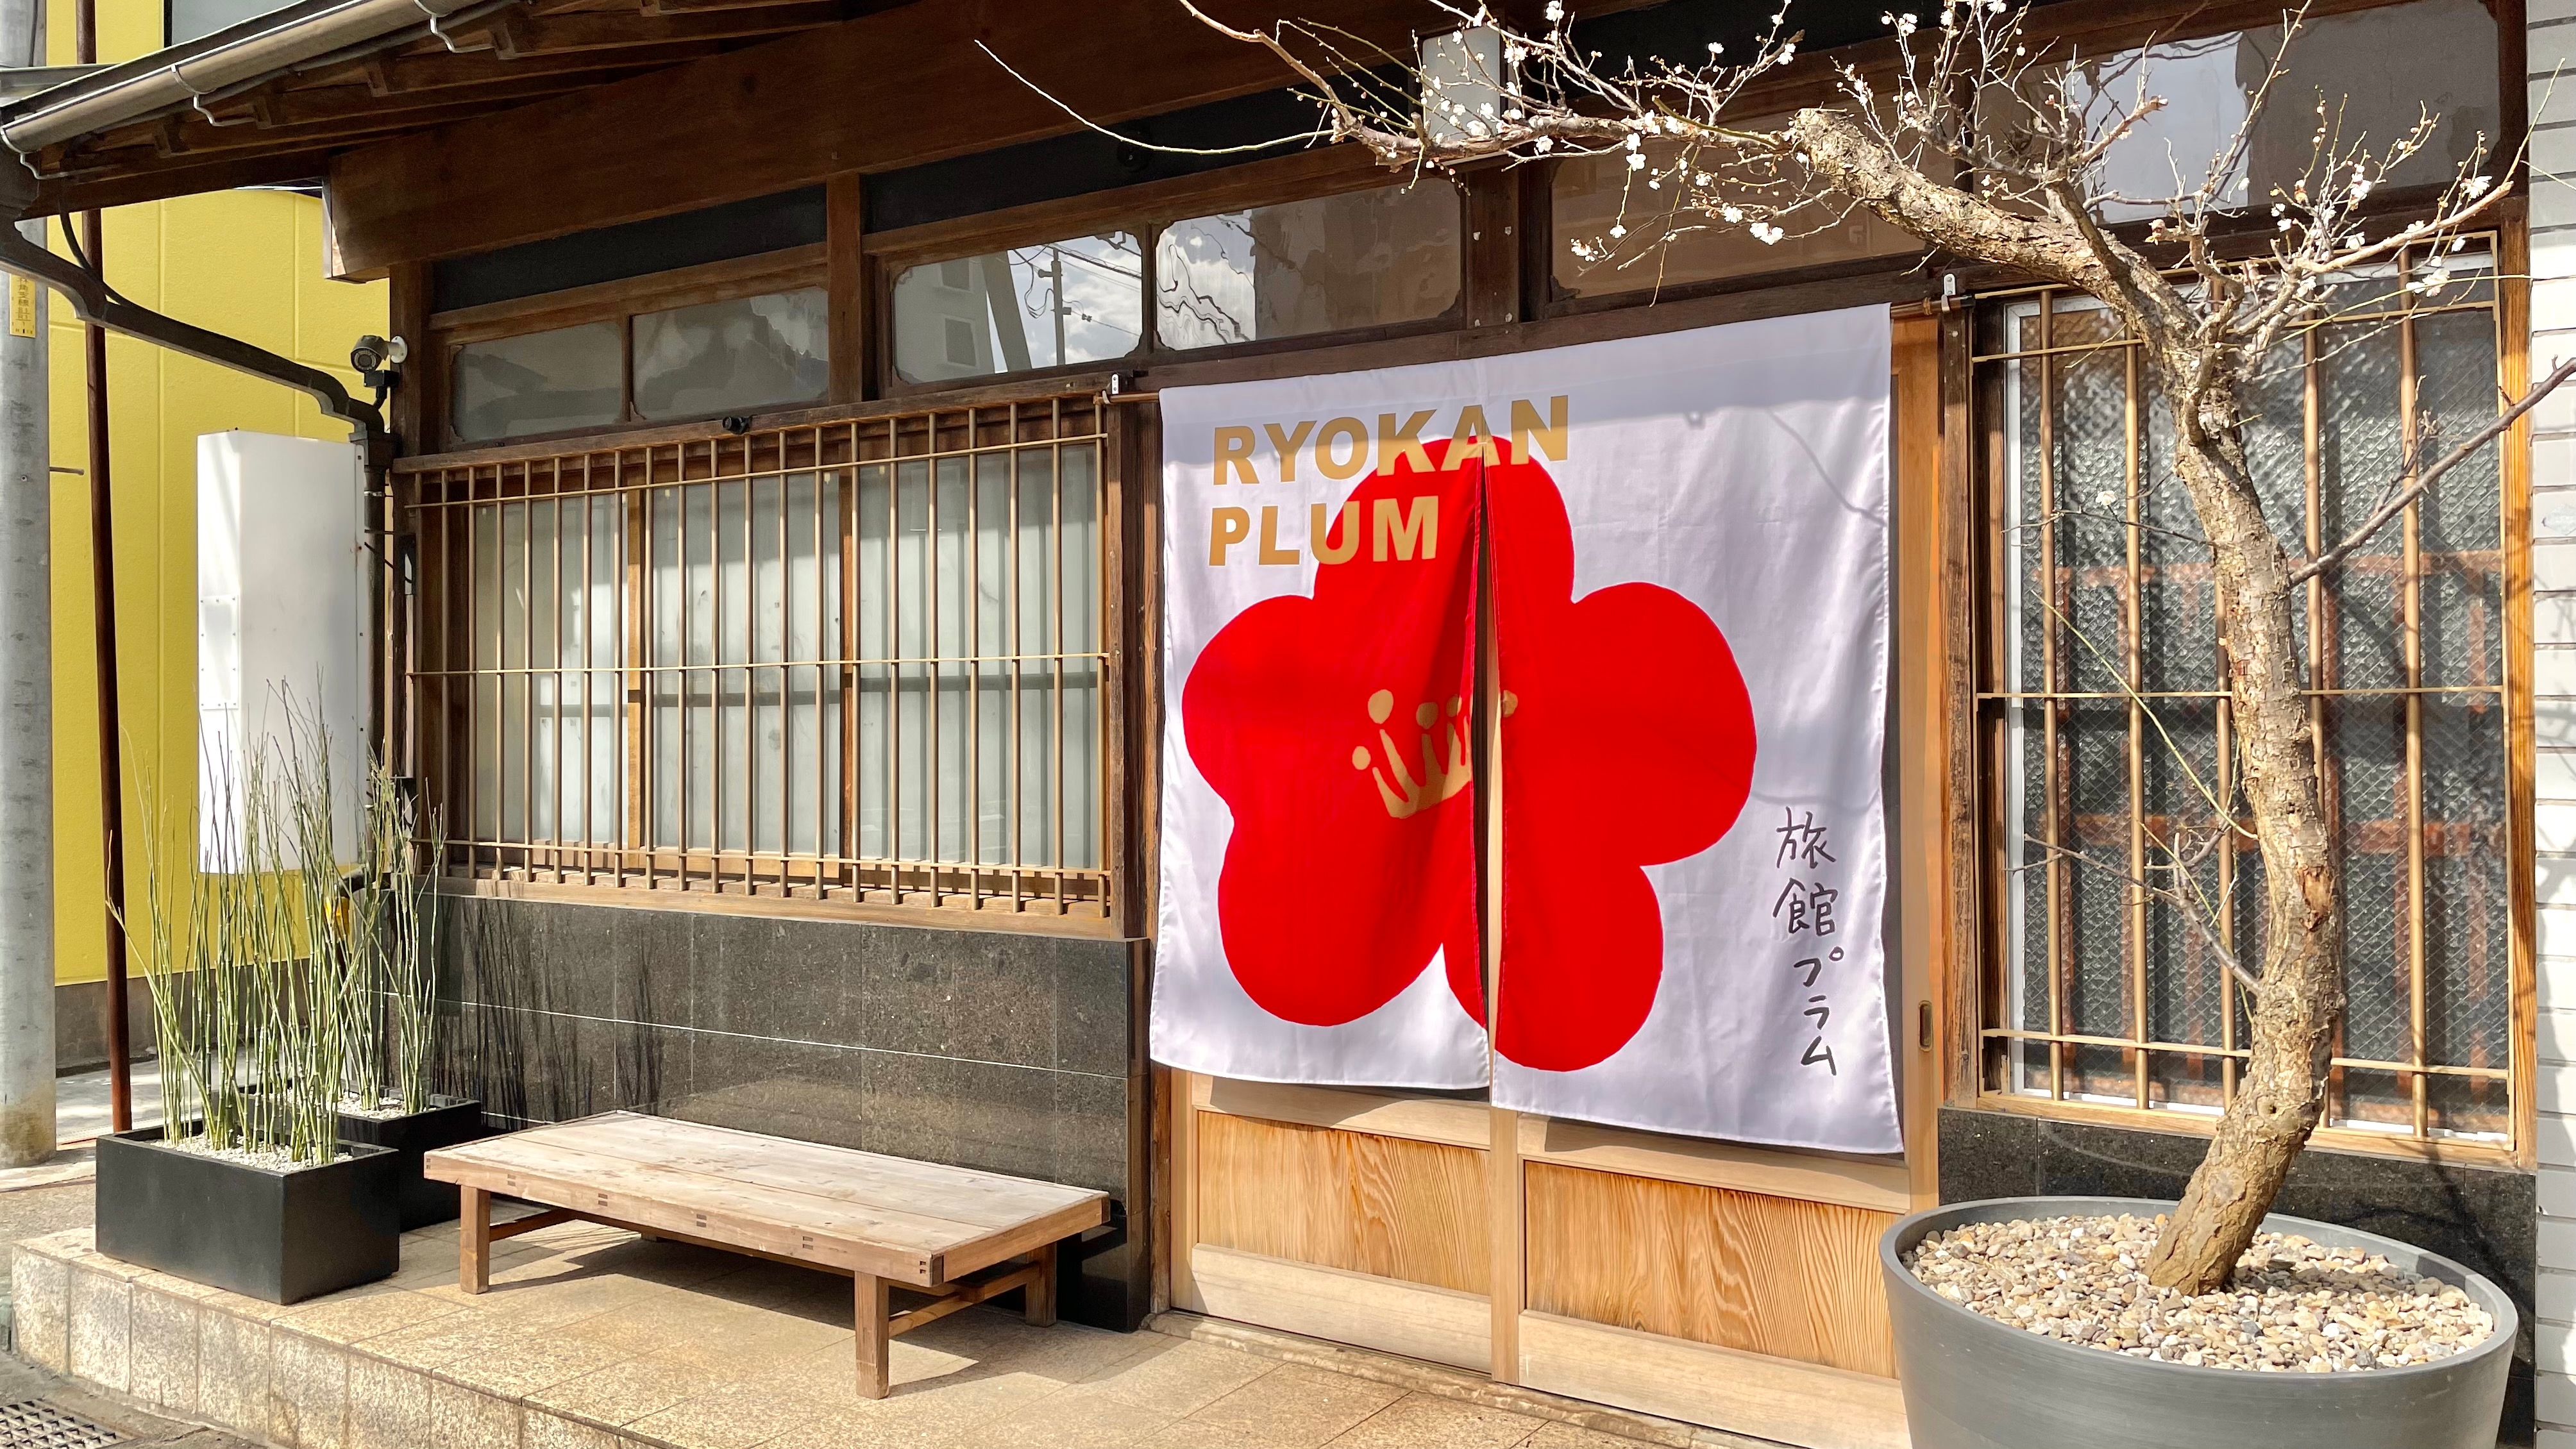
x=1008, y=1052
x=80, y=1023
x=280, y=1237
x=447, y=1122
x=2483, y=1218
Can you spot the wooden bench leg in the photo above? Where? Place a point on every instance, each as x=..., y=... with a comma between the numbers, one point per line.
x=873, y=1305
x=1039, y=1297
x=473, y=1239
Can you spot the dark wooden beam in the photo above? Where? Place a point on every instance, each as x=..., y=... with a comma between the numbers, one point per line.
x=193, y=137
x=855, y=8
x=401, y=75
x=887, y=90
x=273, y=107
x=152, y=179
x=517, y=35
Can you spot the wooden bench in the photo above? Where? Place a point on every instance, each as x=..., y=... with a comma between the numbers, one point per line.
x=959, y=1235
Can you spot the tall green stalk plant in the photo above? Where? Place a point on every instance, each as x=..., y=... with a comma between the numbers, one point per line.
x=259, y=985
x=393, y=932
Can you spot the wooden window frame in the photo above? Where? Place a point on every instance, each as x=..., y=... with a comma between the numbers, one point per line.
x=1143, y=212
x=1977, y=958
x=621, y=302
x=834, y=440
x=2096, y=28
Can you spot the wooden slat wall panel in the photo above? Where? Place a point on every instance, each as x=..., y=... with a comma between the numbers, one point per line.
x=1413, y=1211
x=1798, y=1280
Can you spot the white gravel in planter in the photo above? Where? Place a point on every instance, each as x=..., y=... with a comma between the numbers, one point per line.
x=271, y=1160
x=2294, y=1306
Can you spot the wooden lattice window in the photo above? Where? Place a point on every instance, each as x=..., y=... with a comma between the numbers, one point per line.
x=863, y=661
x=2104, y=729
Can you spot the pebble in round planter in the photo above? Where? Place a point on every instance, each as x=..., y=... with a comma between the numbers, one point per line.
x=1971, y=1382
x=277, y=1236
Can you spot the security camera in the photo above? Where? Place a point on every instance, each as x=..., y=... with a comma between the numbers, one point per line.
x=377, y=359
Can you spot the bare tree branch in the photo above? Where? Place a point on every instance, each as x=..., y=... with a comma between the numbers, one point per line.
x=2432, y=475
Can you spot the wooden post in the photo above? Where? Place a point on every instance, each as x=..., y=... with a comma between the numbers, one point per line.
x=872, y=1304
x=1038, y=1299
x=473, y=1239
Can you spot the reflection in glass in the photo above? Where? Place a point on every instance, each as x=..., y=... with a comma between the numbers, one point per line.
x=1355, y=260
x=544, y=382
x=1667, y=246
x=2372, y=69
x=733, y=356
x=1058, y=303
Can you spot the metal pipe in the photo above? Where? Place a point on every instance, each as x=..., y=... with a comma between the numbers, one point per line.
x=102, y=545
x=177, y=77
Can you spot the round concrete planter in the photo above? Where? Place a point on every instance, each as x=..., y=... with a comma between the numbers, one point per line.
x=1973, y=1383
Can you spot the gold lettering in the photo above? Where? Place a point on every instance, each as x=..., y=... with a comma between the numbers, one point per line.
x=1285, y=445
x=1405, y=527
x=1404, y=442
x=1551, y=439
x=1226, y=528
x=1234, y=453
x=1319, y=524
x=1357, y=463
x=1271, y=552
x=1472, y=425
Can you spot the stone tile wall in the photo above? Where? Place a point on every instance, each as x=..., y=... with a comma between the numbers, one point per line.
x=1003, y=1051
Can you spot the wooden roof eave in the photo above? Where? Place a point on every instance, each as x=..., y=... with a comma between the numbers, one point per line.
x=482, y=58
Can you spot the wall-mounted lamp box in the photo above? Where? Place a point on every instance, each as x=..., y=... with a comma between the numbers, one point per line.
x=281, y=624
x=1464, y=73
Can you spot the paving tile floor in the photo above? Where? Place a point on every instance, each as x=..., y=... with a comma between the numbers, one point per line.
x=591, y=1337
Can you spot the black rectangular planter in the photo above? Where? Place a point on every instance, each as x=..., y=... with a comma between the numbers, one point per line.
x=448, y=1122
x=280, y=1237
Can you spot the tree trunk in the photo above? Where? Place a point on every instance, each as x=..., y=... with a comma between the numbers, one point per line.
x=2281, y=1093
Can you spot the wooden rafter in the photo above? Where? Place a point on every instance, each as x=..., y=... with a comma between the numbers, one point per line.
x=284, y=107
x=517, y=35
x=398, y=75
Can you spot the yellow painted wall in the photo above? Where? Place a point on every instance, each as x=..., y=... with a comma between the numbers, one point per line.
x=245, y=263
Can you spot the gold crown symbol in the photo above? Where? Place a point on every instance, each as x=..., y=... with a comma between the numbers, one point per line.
x=1406, y=793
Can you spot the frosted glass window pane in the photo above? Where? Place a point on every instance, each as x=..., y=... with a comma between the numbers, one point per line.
x=544, y=382
x=733, y=356
x=548, y=614
x=745, y=599
x=1360, y=259
x=1051, y=305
